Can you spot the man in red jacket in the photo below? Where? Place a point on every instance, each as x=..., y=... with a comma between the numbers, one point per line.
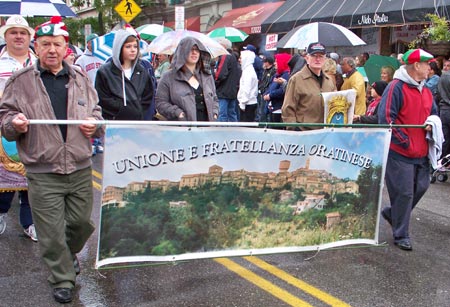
x=406, y=101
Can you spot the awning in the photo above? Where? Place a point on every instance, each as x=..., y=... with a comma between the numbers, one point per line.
x=192, y=23
x=248, y=19
x=353, y=13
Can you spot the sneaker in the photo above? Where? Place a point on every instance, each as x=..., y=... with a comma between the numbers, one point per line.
x=31, y=232
x=99, y=149
x=2, y=223
x=94, y=150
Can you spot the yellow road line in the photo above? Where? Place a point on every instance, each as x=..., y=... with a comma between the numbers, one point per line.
x=317, y=293
x=96, y=185
x=263, y=283
x=97, y=174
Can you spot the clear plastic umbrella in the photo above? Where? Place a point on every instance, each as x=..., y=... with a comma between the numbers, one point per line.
x=167, y=42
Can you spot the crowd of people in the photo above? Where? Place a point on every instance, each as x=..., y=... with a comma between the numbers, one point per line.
x=51, y=82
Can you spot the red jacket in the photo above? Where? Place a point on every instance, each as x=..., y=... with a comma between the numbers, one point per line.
x=405, y=104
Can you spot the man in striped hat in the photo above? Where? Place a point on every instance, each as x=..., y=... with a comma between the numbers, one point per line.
x=406, y=100
x=57, y=158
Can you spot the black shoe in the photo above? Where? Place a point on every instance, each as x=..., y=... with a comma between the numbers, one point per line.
x=76, y=265
x=404, y=244
x=386, y=216
x=62, y=295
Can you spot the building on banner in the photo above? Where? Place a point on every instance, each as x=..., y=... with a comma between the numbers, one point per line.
x=193, y=192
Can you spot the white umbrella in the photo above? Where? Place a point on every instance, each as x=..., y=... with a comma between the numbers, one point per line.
x=329, y=34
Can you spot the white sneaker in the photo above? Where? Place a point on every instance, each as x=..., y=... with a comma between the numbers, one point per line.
x=2, y=223
x=100, y=149
x=31, y=233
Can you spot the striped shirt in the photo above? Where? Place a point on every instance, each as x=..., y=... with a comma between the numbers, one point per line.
x=8, y=65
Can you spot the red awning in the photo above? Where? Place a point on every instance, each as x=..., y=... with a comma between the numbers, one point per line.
x=192, y=23
x=248, y=19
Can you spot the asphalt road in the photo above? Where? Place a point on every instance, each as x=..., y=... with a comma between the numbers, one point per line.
x=381, y=276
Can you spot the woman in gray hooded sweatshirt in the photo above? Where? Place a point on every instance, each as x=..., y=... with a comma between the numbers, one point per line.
x=187, y=91
x=123, y=85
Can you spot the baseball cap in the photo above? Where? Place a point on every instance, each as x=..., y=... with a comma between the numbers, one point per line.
x=269, y=59
x=334, y=56
x=416, y=55
x=250, y=47
x=16, y=21
x=314, y=48
x=91, y=37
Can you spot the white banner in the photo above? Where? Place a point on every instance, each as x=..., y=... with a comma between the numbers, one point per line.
x=177, y=193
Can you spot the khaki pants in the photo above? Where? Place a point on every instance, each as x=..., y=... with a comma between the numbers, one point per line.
x=61, y=207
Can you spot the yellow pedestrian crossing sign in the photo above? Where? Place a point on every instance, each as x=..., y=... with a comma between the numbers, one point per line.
x=128, y=9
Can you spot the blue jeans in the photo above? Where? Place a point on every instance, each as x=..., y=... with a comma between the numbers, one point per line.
x=227, y=110
x=25, y=211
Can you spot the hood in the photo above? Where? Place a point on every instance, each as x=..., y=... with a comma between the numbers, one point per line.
x=247, y=58
x=444, y=87
x=296, y=63
x=282, y=60
x=402, y=74
x=182, y=52
x=119, y=39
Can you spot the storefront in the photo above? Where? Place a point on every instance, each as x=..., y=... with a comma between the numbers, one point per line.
x=385, y=25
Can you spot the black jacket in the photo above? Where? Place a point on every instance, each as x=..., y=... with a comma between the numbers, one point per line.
x=138, y=92
x=227, y=77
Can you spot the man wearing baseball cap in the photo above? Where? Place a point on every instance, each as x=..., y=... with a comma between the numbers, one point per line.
x=15, y=56
x=303, y=102
x=57, y=158
x=407, y=100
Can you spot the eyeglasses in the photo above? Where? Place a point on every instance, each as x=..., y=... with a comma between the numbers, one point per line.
x=195, y=49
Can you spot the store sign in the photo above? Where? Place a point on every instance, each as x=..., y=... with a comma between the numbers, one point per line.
x=271, y=42
x=375, y=20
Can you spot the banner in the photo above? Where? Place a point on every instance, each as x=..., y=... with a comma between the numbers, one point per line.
x=12, y=171
x=178, y=193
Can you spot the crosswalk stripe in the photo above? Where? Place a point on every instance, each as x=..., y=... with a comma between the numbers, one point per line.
x=96, y=185
x=97, y=174
x=317, y=293
x=263, y=283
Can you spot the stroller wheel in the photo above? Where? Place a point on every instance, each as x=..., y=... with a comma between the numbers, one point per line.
x=442, y=177
x=432, y=179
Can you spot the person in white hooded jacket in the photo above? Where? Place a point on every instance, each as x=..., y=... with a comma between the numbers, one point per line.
x=248, y=87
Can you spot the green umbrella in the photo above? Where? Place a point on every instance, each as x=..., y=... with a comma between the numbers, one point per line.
x=362, y=71
x=151, y=31
x=375, y=63
x=232, y=34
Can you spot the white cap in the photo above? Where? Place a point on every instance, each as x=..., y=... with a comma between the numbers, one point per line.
x=16, y=21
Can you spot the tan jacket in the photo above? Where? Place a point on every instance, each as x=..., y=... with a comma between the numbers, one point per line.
x=303, y=102
x=42, y=149
x=356, y=82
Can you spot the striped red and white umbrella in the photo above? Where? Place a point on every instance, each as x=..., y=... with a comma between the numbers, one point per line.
x=329, y=34
x=35, y=8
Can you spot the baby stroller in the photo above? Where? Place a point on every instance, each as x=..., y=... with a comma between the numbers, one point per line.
x=441, y=172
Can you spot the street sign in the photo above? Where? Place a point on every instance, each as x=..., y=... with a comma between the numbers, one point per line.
x=127, y=9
